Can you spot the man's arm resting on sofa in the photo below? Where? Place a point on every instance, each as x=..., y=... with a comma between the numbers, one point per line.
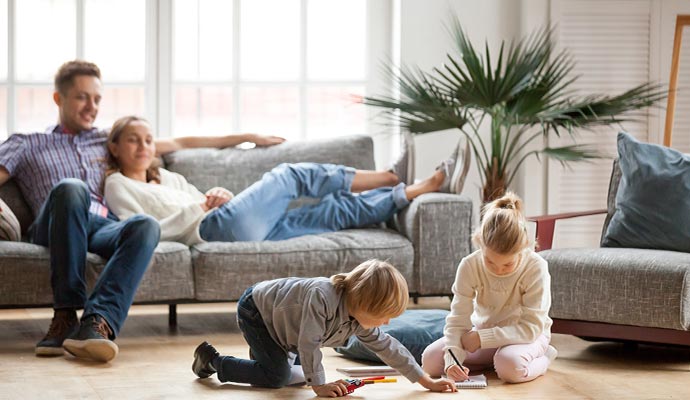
x=546, y=224
x=165, y=146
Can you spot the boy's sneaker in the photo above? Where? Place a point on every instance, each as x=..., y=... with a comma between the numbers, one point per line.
x=551, y=353
x=203, y=357
x=64, y=324
x=92, y=340
x=403, y=167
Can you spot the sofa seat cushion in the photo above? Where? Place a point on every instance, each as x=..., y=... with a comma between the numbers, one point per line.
x=621, y=286
x=168, y=277
x=24, y=274
x=222, y=271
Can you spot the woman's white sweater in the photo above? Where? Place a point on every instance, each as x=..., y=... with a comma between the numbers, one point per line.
x=175, y=203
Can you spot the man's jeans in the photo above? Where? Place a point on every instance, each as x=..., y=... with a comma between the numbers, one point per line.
x=270, y=365
x=260, y=211
x=65, y=225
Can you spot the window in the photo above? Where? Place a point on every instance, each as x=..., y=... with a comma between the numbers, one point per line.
x=293, y=68
x=292, y=71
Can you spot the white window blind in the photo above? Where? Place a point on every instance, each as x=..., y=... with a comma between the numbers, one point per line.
x=610, y=41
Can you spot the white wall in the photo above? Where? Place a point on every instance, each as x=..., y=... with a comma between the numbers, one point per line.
x=424, y=41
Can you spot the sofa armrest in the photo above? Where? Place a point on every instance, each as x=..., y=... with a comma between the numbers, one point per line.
x=546, y=224
x=439, y=225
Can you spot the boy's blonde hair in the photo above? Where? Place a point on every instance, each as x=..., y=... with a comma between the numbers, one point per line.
x=503, y=228
x=374, y=287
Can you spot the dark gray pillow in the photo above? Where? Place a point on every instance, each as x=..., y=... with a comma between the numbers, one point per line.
x=653, y=199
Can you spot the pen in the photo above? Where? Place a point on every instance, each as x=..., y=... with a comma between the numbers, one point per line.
x=456, y=360
x=389, y=380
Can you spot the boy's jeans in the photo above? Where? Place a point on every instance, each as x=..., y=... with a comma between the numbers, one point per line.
x=260, y=211
x=270, y=364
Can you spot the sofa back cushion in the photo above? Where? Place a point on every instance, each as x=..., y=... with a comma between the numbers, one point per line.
x=652, y=198
x=235, y=169
x=9, y=192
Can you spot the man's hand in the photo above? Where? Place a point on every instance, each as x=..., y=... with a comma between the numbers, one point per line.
x=471, y=341
x=333, y=389
x=437, y=385
x=216, y=197
x=458, y=374
x=263, y=141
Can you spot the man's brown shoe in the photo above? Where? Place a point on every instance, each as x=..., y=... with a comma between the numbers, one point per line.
x=64, y=324
x=92, y=340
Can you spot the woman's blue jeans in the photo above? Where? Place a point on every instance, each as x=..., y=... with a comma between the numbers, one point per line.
x=260, y=212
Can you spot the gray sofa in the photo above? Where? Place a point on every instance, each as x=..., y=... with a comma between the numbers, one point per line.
x=640, y=295
x=425, y=242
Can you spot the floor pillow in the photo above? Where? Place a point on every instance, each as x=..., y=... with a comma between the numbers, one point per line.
x=415, y=329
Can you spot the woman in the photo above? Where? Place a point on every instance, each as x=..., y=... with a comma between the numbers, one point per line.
x=135, y=184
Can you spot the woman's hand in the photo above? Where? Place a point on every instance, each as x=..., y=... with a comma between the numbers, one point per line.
x=333, y=389
x=437, y=385
x=262, y=141
x=457, y=373
x=216, y=197
x=471, y=341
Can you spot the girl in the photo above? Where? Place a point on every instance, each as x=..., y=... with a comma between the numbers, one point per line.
x=289, y=317
x=500, y=310
x=136, y=185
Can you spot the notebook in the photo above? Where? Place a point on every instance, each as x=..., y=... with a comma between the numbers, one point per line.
x=373, y=370
x=474, y=382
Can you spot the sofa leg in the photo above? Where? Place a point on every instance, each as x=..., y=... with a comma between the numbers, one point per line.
x=172, y=315
x=415, y=299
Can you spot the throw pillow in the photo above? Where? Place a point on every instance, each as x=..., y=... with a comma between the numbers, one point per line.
x=415, y=329
x=9, y=225
x=653, y=198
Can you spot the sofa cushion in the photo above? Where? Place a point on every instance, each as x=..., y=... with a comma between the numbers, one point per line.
x=9, y=225
x=235, y=169
x=11, y=194
x=653, y=198
x=168, y=277
x=621, y=286
x=415, y=329
x=222, y=271
x=24, y=275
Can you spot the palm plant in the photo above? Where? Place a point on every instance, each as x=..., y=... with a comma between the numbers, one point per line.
x=526, y=96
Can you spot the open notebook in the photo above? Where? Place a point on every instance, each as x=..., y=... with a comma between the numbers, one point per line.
x=374, y=370
x=474, y=382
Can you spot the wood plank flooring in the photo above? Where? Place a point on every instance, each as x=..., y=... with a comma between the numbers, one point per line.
x=154, y=363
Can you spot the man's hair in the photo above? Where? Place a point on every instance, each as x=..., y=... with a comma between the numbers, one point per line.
x=64, y=78
x=503, y=228
x=374, y=287
x=113, y=166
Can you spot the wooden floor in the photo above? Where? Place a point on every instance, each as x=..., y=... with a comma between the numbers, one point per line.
x=154, y=363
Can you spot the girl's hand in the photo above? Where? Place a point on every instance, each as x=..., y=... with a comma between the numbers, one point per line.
x=216, y=197
x=333, y=389
x=457, y=373
x=437, y=385
x=471, y=341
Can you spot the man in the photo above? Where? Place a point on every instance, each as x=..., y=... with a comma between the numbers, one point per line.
x=60, y=173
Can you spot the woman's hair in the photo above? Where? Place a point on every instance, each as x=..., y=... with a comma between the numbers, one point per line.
x=374, y=287
x=64, y=78
x=152, y=173
x=503, y=228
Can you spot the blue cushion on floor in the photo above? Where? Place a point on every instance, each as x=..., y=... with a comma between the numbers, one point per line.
x=653, y=198
x=415, y=329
